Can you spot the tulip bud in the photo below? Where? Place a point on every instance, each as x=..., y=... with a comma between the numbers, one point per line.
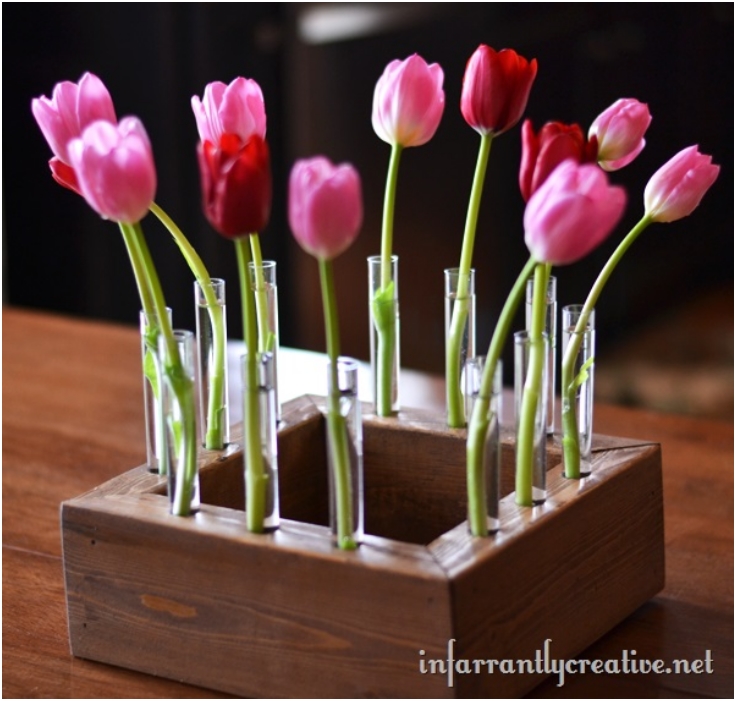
x=542, y=153
x=113, y=164
x=676, y=189
x=237, y=108
x=496, y=88
x=408, y=102
x=620, y=132
x=325, y=206
x=571, y=213
x=236, y=184
x=71, y=108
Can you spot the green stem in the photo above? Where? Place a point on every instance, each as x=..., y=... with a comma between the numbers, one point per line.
x=532, y=393
x=337, y=430
x=571, y=438
x=180, y=382
x=215, y=431
x=389, y=205
x=383, y=304
x=255, y=476
x=151, y=363
x=265, y=336
x=478, y=426
x=455, y=411
x=139, y=271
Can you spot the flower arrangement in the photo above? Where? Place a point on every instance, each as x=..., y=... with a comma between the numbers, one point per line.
x=571, y=208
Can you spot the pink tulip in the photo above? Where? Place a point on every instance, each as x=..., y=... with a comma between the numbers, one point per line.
x=408, y=102
x=676, y=189
x=620, y=132
x=237, y=108
x=496, y=88
x=572, y=213
x=325, y=206
x=114, y=169
x=72, y=107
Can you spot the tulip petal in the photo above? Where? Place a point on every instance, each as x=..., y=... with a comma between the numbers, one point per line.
x=71, y=108
x=571, y=213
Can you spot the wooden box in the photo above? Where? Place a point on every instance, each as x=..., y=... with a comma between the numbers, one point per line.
x=201, y=600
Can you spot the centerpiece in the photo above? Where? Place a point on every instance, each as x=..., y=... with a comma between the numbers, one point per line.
x=342, y=550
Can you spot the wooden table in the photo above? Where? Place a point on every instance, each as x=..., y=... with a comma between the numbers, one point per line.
x=73, y=418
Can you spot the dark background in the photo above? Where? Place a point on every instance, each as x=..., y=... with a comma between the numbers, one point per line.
x=318, y=72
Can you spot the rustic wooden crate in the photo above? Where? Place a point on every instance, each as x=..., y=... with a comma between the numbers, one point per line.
x=201, y=600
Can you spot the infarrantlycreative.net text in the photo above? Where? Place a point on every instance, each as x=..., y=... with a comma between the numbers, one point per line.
x=545, y=663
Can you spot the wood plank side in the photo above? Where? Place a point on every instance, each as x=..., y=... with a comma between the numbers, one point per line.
x=202, y=601
x=545, y=576
x=121, y=548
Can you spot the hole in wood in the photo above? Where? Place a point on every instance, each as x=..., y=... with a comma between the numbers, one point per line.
x=415, y=487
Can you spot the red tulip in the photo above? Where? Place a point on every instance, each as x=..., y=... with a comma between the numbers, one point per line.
x=408, y=102
x=325, y=206
x=676, y=189
x=541, y=153
x=236, y=184
x=64, y=175
x=71, y=108
x=114, y=168
x=571, y=213
x=496, y=88
x=237, y=108
x=620, y=132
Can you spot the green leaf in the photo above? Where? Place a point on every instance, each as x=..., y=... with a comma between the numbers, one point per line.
x=270, y=344
x=383, y=307
x=150, y=372
x=583, y=375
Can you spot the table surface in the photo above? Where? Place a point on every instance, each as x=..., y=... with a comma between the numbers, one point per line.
x=72, y=419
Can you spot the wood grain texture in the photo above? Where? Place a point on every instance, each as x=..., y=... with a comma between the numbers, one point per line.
x=312, y=620
x=63, y=435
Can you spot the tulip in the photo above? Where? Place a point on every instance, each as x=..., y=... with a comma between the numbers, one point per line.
x=236, y=184
x=408, y=102
x=673, y=192
x=572, y=213
x=620, y=131
x=71, y=108
x=496, y=88
x=541, y=153
x=237, y=108
x=114, y=169
x=325, y=214
x=325, y=206
x=236, y=196
x=676, y=189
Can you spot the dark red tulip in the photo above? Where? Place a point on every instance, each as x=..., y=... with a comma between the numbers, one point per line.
x=236, y=184
x=541, y=153
x=496, y=88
